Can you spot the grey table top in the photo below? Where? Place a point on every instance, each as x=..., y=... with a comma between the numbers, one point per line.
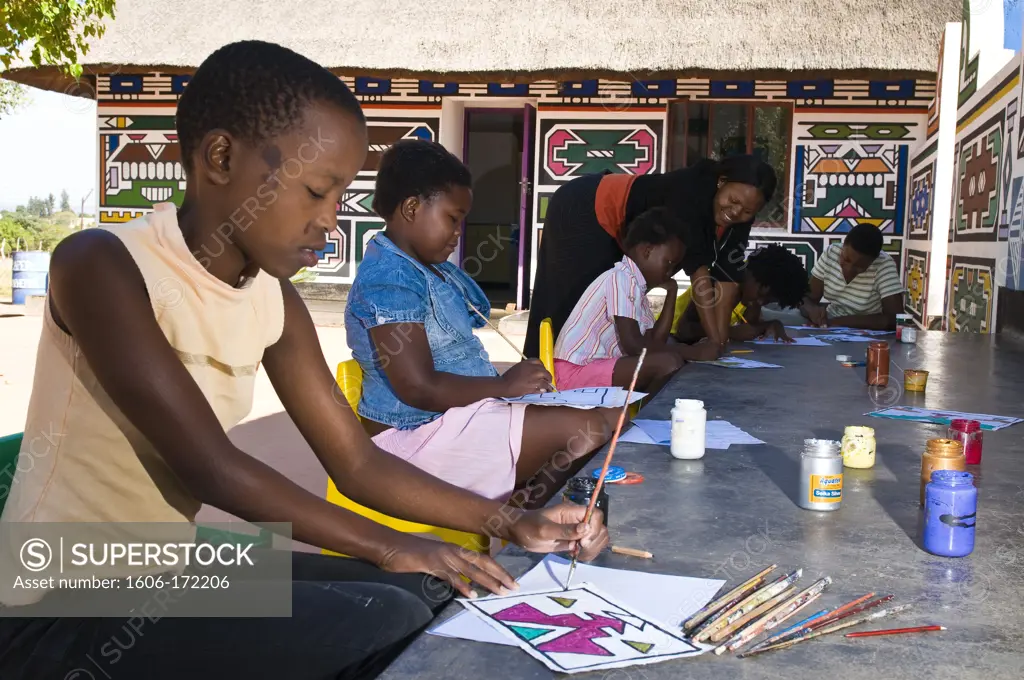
x=734, y=512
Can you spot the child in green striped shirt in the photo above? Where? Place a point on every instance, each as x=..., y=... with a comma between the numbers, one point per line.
x=860, y=282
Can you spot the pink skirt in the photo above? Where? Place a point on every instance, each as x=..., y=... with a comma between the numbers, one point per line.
x=570, y=376
x=473, y=447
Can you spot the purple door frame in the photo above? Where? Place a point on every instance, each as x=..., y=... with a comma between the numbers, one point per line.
x=525, y=183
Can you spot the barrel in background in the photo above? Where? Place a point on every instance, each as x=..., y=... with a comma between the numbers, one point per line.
x=30, y=275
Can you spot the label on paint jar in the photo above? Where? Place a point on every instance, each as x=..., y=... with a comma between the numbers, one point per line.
x=826, y=488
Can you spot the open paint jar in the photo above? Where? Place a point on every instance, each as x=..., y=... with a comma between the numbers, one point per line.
x=915, y=380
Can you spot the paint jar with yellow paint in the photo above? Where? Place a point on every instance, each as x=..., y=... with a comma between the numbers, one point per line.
x=915, y=380
x=859, y=447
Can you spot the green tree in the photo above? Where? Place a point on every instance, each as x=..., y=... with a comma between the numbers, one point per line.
x=51, y=203
x=65, y=201
x=53, y=32
x=36, y=207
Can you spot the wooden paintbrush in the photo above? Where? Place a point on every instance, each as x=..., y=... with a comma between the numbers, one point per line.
x=784, y=611
x=607, y=462
x=818, y=621
x=855, y=620
x=503, y=336
x=715, y=606
x=748, y=605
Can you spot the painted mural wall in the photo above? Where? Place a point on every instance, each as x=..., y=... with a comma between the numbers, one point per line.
x=987, y=192
x=849, y=147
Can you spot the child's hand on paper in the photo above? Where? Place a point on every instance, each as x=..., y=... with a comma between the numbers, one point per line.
x=559, y=529
x=777, y=330
x=705, y=350
x=816, y=314
x=526, y=377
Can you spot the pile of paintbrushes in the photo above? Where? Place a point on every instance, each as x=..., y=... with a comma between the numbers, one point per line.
x=757, y=606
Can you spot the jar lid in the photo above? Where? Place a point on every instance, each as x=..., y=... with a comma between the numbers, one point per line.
x=860, y=430
x=581, y=484
x=689, y=403
x=615, y=473
x=965, y=425
x=822, y=448
x=878, y=344
x=953, y=477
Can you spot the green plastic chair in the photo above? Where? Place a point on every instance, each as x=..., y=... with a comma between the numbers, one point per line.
x=10, y=446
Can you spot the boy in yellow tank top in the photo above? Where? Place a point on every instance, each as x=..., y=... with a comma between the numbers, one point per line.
x=153, y=335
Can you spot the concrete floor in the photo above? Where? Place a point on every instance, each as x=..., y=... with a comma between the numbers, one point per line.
x=267, y=433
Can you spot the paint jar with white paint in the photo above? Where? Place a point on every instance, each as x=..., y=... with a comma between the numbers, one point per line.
x=821, y=475
x=689, y=425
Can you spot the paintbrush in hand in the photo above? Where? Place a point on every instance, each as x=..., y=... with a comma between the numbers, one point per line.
x=607, y=462
x=503, y=336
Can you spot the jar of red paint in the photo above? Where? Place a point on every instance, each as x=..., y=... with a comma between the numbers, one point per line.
x=968, y=433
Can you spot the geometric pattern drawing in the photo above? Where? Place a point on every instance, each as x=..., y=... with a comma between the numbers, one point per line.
x=1014, y=271
x=922, y=186
x=839, y=185
x=971, y=295
x=915, y=280
x=336, y=257
x=383, y=132
x=580, y=630
x=1004, y=213
x=968, y=63
x=571, y=149
x=140, y=163
x=162, y=89
x=879, y=131
x=807, y=249
x=365, y=230
x=977, y=181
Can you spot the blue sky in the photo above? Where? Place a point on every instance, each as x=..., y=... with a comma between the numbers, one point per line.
x=46, y=146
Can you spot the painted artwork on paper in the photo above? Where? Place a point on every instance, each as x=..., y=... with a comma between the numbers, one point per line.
x=580, y=630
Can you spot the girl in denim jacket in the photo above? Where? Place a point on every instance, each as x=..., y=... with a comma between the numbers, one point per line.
x=430, y=393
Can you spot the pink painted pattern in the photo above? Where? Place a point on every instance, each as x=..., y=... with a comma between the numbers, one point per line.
x=578, y=641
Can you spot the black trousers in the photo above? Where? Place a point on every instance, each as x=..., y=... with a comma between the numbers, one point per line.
x=349, y=620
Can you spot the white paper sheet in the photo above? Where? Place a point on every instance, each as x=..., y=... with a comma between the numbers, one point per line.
x=845, y=337
x=583, y=398
x=581, y=629
x=670, y=599
x=819, y=328
x=738, y=362
x=841, y=329
x=719, y=434
x=797, y=342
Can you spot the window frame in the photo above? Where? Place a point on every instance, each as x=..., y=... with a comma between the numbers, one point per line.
x=750, y=105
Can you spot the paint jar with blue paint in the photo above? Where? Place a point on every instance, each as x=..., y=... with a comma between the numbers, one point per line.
x=951, y=506
x=580, y=490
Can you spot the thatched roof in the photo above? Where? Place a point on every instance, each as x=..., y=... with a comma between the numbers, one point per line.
x=531, y=39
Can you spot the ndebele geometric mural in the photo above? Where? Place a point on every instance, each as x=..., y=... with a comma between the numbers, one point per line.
x=851, y=175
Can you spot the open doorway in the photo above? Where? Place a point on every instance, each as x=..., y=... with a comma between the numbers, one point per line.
x=491, y=252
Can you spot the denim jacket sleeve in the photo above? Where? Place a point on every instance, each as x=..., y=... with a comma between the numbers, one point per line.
x=474, y=294
x=400, y=298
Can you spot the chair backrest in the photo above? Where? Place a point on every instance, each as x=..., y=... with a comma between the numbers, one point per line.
x=10, y=447
x=547, y=348
x=350, y=381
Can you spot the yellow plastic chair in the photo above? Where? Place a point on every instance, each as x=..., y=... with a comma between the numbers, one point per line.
x=547, y=348
x=350, y=382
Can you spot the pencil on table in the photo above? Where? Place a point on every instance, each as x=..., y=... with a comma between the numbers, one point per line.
x=894, y=631
x=632, y=552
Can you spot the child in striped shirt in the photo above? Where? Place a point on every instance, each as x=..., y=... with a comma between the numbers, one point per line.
x=602, y=339
x=860, y=282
